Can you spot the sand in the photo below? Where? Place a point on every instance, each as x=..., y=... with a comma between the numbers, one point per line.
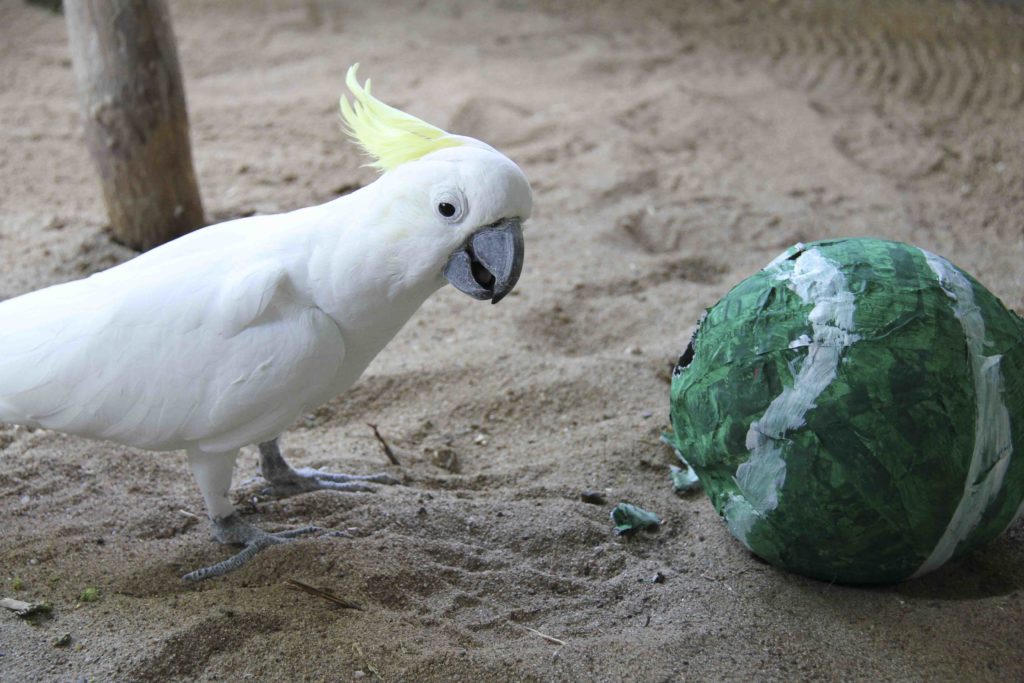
x=674, y=149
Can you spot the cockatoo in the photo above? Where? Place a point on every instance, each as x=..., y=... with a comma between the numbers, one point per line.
x=223, y=337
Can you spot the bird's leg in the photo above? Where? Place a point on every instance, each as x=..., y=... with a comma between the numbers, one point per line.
x=286, y=481
x=213, y=473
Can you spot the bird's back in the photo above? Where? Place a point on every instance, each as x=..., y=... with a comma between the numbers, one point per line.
x=201, y=338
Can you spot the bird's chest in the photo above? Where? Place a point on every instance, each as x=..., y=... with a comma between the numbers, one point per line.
x=366, y=332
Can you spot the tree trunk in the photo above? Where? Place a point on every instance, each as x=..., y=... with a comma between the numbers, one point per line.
x=136, y=124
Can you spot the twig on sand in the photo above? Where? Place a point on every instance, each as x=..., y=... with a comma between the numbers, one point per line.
x=329, y=597
x=384, y=444
x=718, y=579
x=550, y=639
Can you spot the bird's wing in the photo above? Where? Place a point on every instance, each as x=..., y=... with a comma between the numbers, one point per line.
x=209, y=356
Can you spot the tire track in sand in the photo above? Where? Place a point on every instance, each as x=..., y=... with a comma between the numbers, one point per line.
x=954, y=57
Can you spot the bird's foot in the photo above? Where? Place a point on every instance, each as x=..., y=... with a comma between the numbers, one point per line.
x=288, y=481
x=306, y=479
x=234, y=531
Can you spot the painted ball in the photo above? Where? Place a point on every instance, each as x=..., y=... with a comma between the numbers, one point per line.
x=855, y=411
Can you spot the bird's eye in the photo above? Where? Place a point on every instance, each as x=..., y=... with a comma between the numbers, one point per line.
x=450, y=204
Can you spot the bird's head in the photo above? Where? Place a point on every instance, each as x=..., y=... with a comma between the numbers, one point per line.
x=456, y=204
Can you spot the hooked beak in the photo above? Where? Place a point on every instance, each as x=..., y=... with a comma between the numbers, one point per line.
x=488, y=266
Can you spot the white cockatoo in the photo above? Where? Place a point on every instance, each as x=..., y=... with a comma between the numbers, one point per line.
x=223, y=337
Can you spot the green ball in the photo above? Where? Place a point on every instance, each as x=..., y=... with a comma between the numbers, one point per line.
x=855, y=411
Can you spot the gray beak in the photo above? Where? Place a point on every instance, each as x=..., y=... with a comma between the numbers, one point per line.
x=488, y=266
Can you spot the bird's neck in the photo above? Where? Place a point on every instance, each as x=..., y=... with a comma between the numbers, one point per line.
x=359, y=273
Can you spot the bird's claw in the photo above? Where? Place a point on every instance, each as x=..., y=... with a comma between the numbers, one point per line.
x=378, y=478
x=288, y=481
x=304, y=479
x=232, y=530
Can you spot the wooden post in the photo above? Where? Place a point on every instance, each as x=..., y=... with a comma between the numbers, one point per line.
x=136, y=124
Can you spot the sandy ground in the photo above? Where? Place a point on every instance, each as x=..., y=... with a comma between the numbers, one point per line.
x=673, y=151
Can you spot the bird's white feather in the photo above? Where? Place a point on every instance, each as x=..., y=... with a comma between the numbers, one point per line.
x=208, y=344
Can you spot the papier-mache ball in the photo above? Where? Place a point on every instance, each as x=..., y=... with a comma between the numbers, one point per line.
x=855, y=411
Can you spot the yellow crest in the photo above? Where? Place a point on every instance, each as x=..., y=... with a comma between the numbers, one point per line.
x=389, y=135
